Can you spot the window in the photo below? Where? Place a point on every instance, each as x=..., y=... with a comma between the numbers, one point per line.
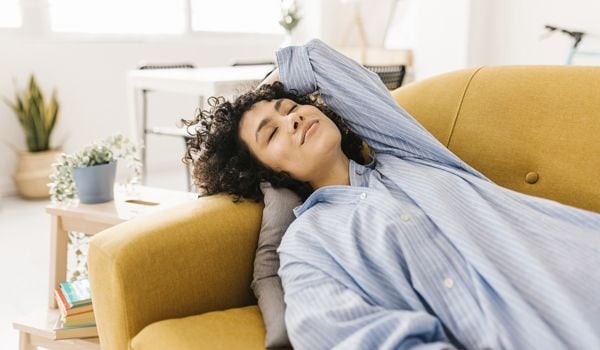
x=236, y=16
x=10, y=14
x=117, y=16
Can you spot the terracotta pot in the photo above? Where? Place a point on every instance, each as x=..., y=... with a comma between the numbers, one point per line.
x=33, y=173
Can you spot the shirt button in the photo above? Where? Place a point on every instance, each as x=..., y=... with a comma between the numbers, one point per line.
x=404, y=217
x=358, y=172
x=363, y=195
x=448, y=282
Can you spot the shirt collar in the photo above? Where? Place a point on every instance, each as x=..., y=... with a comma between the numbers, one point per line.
x=359, y=175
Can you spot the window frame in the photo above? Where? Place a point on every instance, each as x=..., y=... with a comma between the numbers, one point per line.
x=35, y=25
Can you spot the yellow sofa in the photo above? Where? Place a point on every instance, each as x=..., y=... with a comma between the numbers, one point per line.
x=180, y=279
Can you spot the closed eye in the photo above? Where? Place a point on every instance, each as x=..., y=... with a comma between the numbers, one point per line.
x=272, y=134
x=291, y=109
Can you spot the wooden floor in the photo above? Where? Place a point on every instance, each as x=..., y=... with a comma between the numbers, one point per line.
x=24, y=256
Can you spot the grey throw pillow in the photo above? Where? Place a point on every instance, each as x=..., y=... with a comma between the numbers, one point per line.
x=266, y=284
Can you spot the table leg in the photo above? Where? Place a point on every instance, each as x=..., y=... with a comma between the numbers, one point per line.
x=25, y=342
x=58, y=258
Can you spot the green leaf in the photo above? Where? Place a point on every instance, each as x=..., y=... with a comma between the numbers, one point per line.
x=51, y=116
x=37, y=119
x=20, y=107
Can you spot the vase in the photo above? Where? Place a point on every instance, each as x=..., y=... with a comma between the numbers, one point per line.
x=33, y=173
x=95, y=184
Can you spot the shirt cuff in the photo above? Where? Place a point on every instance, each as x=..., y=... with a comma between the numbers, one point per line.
x=295, y=70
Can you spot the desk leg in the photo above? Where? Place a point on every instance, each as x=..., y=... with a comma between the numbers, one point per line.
x=138, y=129
x=132, y=111
x=58, y=258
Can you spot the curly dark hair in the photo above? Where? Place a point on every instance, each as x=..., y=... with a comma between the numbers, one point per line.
x=222, y=162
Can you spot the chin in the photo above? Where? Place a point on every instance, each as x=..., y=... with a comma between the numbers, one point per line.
x=325, y=141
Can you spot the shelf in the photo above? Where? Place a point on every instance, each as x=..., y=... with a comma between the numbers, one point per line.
x=36, y=329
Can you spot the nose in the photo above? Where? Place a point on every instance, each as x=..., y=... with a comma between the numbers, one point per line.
x=294, y=120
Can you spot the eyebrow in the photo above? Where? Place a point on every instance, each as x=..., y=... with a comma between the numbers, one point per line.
x=266, y=120
x=278, y=105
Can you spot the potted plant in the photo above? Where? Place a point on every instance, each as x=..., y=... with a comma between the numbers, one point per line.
x=289, y=19
x=89, y=174
x=37, y=119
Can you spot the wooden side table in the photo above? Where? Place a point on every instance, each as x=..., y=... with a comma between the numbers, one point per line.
x=37, y=329
x=93, y=218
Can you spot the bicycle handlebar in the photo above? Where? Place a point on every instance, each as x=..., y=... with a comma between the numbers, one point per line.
x=577, y=36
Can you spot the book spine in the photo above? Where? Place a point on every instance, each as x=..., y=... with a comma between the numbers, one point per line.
x=64, y=332
x=78, y=324
x=76, y=293
x=66, y=289
x=60, y=301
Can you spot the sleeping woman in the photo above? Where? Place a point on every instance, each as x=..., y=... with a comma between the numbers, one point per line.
x=411, y=247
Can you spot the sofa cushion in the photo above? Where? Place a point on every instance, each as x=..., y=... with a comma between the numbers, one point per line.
x=277, y=216
x=239, y=328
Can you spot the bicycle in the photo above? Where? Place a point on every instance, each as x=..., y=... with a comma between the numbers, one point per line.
x=577, y=37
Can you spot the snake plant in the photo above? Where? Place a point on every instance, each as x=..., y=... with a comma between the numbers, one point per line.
x=35, y=116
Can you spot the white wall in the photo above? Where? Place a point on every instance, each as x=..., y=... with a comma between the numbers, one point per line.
x=516, y=27
x=338, y=19
x=441, y=36
x=455, y=34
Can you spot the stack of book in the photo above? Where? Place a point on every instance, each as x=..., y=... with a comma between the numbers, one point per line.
x=76, y=319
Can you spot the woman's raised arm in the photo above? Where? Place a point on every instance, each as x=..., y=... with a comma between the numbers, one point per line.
x=361, y=98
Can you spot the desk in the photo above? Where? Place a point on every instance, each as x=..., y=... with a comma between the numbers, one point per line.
x=204, y=82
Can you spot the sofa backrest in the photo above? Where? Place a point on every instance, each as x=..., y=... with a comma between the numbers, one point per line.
x=533, y=129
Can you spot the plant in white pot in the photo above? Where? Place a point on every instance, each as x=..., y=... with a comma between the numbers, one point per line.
x=37, y=119
x=89, y=174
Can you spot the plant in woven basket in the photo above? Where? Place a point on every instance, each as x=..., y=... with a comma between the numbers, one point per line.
x=37, y=117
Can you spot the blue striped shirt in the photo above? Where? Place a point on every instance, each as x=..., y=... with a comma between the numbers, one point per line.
x=422, y=250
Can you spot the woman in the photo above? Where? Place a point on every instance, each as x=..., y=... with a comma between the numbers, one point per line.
x=415, y=248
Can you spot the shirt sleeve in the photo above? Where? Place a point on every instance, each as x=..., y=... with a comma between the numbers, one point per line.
x=362, y=100
x=321, y=313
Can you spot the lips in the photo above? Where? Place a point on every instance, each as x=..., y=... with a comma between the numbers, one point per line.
x=309, y=124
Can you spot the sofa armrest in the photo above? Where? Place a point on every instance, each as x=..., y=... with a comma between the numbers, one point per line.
x=186, y=260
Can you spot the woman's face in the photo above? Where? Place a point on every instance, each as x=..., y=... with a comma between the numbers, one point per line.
x=286, y=136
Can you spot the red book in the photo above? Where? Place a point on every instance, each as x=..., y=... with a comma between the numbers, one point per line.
x=64, y=307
